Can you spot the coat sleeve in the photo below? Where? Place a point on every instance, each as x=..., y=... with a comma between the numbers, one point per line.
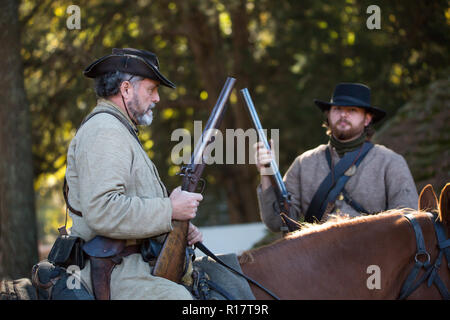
x=292, y=178
x=267, y=199
x=104, y=168
x=401, y=191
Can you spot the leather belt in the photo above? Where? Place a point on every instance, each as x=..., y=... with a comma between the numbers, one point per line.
x=135, y=248
x=130, y=242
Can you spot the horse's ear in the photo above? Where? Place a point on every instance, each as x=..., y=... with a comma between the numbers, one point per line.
x=427, y=199
x=444, y=205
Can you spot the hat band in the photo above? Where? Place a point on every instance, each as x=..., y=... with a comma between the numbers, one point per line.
x=139, y=58
x=348, y=100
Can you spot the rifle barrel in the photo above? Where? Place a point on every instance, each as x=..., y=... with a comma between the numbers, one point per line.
x=213, y=122
x=262, y=137
x=170, y=261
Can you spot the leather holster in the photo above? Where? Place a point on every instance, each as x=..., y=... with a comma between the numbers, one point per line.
x=104, y=254
x=101, y=269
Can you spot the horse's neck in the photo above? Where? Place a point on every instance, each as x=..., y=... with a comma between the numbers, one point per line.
x=336, y=260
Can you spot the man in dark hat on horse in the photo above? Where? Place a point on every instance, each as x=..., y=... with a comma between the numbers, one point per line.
x=350, y=175
x=116, y=197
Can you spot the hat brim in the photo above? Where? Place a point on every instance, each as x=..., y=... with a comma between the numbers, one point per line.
x=128, y=64
x=378, y=113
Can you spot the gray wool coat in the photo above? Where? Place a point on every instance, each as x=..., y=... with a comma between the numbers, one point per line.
x=382, y=182
x=116, y=186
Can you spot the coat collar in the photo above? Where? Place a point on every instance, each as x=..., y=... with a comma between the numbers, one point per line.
x=101, y=102
x=104, y=103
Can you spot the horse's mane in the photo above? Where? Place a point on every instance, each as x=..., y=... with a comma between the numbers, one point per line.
x=334, y=221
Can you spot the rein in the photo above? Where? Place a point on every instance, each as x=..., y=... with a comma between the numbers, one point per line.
x=431, y=270
x=206, y=251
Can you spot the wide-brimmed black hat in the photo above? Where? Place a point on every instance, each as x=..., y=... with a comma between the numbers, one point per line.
x=133, y=61
x=352, y=95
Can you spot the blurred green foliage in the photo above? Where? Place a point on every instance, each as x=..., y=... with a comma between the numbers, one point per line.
x=287, y=52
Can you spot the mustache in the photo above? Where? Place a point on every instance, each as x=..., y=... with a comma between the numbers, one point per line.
x=151, y=106
x=344, y=121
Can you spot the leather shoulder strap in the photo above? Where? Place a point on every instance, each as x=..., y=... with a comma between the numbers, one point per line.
x=334, y=182
x=125, y=123
x=118, y=117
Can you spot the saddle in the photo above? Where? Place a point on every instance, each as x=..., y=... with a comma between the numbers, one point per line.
x=20, y=289
x=209, y=280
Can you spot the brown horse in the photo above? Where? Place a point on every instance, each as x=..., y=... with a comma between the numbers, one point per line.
x=361, y=258
x=367, y=257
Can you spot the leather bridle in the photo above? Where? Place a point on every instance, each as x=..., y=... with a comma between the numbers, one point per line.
x=431, y=274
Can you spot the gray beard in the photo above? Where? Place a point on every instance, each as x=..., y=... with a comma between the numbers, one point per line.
x=144, y=119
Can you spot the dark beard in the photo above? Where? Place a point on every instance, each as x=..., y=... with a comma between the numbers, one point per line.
x=347, y=134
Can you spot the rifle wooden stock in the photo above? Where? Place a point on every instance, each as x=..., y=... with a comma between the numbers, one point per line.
x=170, y=262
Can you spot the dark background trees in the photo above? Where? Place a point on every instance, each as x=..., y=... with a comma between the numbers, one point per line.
x=18, y=232
x=287, y=52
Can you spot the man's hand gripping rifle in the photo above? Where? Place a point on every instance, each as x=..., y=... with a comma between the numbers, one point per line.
x=284, y=198
x=170, y=262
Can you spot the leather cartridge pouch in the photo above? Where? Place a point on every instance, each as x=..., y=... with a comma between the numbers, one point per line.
x=104, y=254
x=66, y=251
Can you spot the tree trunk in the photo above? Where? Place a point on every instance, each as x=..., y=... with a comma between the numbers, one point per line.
x=18, y=235
x=207, y=47
x=241, y=188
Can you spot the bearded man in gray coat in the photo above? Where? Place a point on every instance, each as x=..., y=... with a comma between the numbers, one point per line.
x=348, y=176
x=115, y=191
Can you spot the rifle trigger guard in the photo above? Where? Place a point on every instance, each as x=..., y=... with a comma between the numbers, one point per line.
x=203, y=184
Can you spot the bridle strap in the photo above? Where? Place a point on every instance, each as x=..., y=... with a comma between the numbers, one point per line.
x=206, y=251
x=444, y=249
x=443, y=243
x=431, y=270
x=409, y=286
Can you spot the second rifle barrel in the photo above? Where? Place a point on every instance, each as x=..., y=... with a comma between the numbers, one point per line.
x=262, y=137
